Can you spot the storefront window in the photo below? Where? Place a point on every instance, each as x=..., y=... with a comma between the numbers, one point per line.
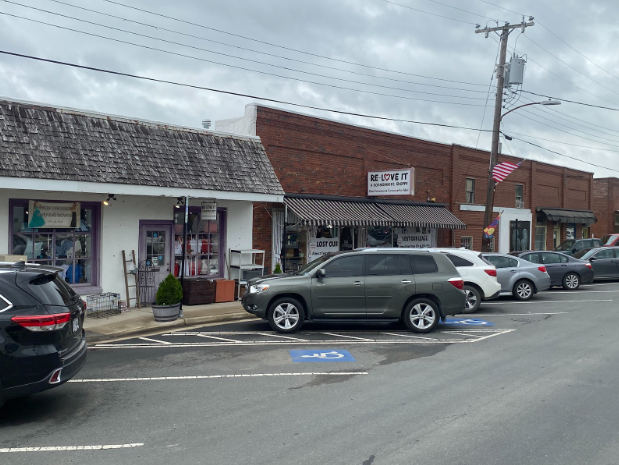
x=379, y=236
x=71, y=249
x=419, y=237
x=204, y=253
x=570, y=231
x=540, y=237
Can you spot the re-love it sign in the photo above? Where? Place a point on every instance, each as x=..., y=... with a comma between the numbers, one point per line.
x=398, y=182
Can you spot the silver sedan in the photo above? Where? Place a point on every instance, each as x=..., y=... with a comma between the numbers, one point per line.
x=518, y=277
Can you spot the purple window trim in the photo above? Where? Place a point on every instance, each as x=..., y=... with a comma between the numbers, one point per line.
x=223, y=215
x=95, y=234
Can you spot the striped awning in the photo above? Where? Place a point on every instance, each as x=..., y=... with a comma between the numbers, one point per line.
x=318, y=212
x=569, y=216
x=323, y=212
x=422, y=216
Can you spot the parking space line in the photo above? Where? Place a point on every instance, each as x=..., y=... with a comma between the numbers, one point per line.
x=544, y=302
x=351, y=337
x=155, y=340
x=69, y=448
x=215, y=337
x=249, y=375
x=520, y=314
x=410, y=336
x=464, y=334
x=284, y=337
x=572, y=292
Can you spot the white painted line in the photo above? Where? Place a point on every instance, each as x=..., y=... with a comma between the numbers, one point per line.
x=465, y=334
x=154, y=340
x=284, y=337
x=410, y=336
x=600, y=284
x=580, y=293
x=520, y=314
x=351, y=337
x=493, y=335
x=69, y=448
x=489, y=303
x=251, y=375
x=215, y=337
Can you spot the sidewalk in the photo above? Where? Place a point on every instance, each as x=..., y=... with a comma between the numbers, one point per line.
x=141, y=321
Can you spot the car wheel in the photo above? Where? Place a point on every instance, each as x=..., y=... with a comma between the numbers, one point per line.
x=286, y=315
x=571, y=281
x=421, y=316
x=473, y=299
x=523, y=290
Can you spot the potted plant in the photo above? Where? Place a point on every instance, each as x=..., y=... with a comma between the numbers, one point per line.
x=167, y=303
x=278, y=268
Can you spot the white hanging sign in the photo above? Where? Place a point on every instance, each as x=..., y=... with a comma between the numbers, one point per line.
x=322, y=246
x=395, y=182
x=208, y=210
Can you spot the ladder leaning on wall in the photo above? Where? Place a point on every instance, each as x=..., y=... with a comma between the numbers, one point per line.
x=130, y=269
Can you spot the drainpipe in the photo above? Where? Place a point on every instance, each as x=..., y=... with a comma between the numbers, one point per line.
x=184, y=248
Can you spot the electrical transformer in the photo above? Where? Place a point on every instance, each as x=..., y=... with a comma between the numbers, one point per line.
x=516, y=71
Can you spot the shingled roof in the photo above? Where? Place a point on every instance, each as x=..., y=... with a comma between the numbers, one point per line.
x=51, y=143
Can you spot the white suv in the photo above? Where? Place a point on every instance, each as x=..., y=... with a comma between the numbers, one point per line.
x=480, y=277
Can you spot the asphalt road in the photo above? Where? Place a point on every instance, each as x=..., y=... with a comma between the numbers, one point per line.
x=537, y=385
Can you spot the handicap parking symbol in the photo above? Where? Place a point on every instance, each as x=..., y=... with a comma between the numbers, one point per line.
x=465, y=322
x=322, y=355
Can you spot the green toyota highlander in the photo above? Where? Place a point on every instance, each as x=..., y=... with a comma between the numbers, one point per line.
x=418, y=287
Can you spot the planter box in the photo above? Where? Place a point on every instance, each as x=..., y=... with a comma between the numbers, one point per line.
x=166, y=312
x=198, y=291
x=224, y=290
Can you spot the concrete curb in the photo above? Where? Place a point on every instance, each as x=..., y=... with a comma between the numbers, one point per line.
x=92, y=337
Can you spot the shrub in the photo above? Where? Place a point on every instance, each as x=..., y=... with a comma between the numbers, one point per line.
x=170, y=291
x=278, y=269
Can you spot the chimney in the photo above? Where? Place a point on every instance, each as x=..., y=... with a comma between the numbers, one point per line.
x=206, y=124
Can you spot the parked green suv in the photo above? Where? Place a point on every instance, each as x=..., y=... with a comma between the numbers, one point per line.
x=418, y=287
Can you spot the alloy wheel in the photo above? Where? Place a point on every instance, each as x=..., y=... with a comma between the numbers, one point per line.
x=286, y=316
x=422, y=316
x=524, y=290
x=471, y=299
x=571, y=281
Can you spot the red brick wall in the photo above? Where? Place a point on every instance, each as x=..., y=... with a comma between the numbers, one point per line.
x=263, y=230
x=314, y=156
x=605, y=204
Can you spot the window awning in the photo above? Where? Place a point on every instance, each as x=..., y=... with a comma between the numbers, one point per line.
x=422, y=215
x=569, y=216
x=322, y=212
x=318, y=212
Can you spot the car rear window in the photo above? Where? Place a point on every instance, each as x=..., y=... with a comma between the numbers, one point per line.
x=458, y=261
x=423, y=264
x=50, y=289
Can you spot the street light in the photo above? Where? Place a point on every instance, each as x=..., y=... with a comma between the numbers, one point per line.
x=494, y=154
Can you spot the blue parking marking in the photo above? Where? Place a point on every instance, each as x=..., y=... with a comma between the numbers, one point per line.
x=321, y=355
x=463, y=322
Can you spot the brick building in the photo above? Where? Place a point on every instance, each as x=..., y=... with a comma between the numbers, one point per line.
x=323, y=167
x=606, y=206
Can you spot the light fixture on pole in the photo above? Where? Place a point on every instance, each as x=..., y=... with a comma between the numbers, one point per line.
x=543, y=102
x=180, y=201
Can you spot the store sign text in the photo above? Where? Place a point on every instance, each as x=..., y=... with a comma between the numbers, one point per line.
x=399, y=182
x=322, y=246
x=53, y=214
x=416, y=238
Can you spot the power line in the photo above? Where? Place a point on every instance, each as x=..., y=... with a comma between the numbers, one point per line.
x=570, y=66
x=233, y=56
x=483, y=117
x=502, y=8
x=465, y=11
x=570, y=101
x=580, y=53
x=237, y=94
x=240, y=67
x=284, y=47
x=561, y=142
x=566, y=156
x=427, y=13
x=159, y=28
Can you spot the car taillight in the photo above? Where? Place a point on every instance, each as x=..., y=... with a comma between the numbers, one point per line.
x=542, y=269
x=491, y=272
x=84, y=306
x=43, y=322
x=458, y=283
x=588, y=265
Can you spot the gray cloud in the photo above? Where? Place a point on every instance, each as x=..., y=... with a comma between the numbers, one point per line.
x=362, y=32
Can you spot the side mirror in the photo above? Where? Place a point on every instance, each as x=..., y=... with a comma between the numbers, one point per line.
x=592, y=259
x=321, y=273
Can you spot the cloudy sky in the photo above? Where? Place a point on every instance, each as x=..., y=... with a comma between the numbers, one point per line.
x=403, y=59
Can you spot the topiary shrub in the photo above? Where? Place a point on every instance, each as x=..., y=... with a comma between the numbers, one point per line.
x=278, y=269
x=170, y=291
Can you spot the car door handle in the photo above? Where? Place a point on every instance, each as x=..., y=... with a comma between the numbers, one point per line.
x=406, y=281
x=357, y=283
x=513, y=271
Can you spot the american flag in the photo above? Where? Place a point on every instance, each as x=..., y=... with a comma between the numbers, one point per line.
x=502, y=170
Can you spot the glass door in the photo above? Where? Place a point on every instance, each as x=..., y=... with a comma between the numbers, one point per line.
x=155, y=255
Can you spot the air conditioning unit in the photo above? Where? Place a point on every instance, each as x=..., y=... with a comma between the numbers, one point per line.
x=519, y=203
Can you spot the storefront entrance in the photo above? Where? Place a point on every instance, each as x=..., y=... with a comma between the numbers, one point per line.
x=154, y=256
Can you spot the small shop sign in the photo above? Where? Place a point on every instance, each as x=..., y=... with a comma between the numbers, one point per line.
x=416, y=238
x=394, y=182
x=208, y=210
x=322, y=246
x=53, y=214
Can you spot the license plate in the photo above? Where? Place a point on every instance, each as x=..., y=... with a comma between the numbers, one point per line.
x=76, y=325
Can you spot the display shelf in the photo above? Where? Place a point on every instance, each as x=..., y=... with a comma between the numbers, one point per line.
x=245, y=262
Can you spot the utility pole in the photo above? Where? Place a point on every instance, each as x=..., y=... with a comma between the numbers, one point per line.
x=498, y=105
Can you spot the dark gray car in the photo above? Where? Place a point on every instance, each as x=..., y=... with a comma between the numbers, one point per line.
x=564, y=270
x=572, y=246
x=375, y=285
x=519, y=277
x=605, y=262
